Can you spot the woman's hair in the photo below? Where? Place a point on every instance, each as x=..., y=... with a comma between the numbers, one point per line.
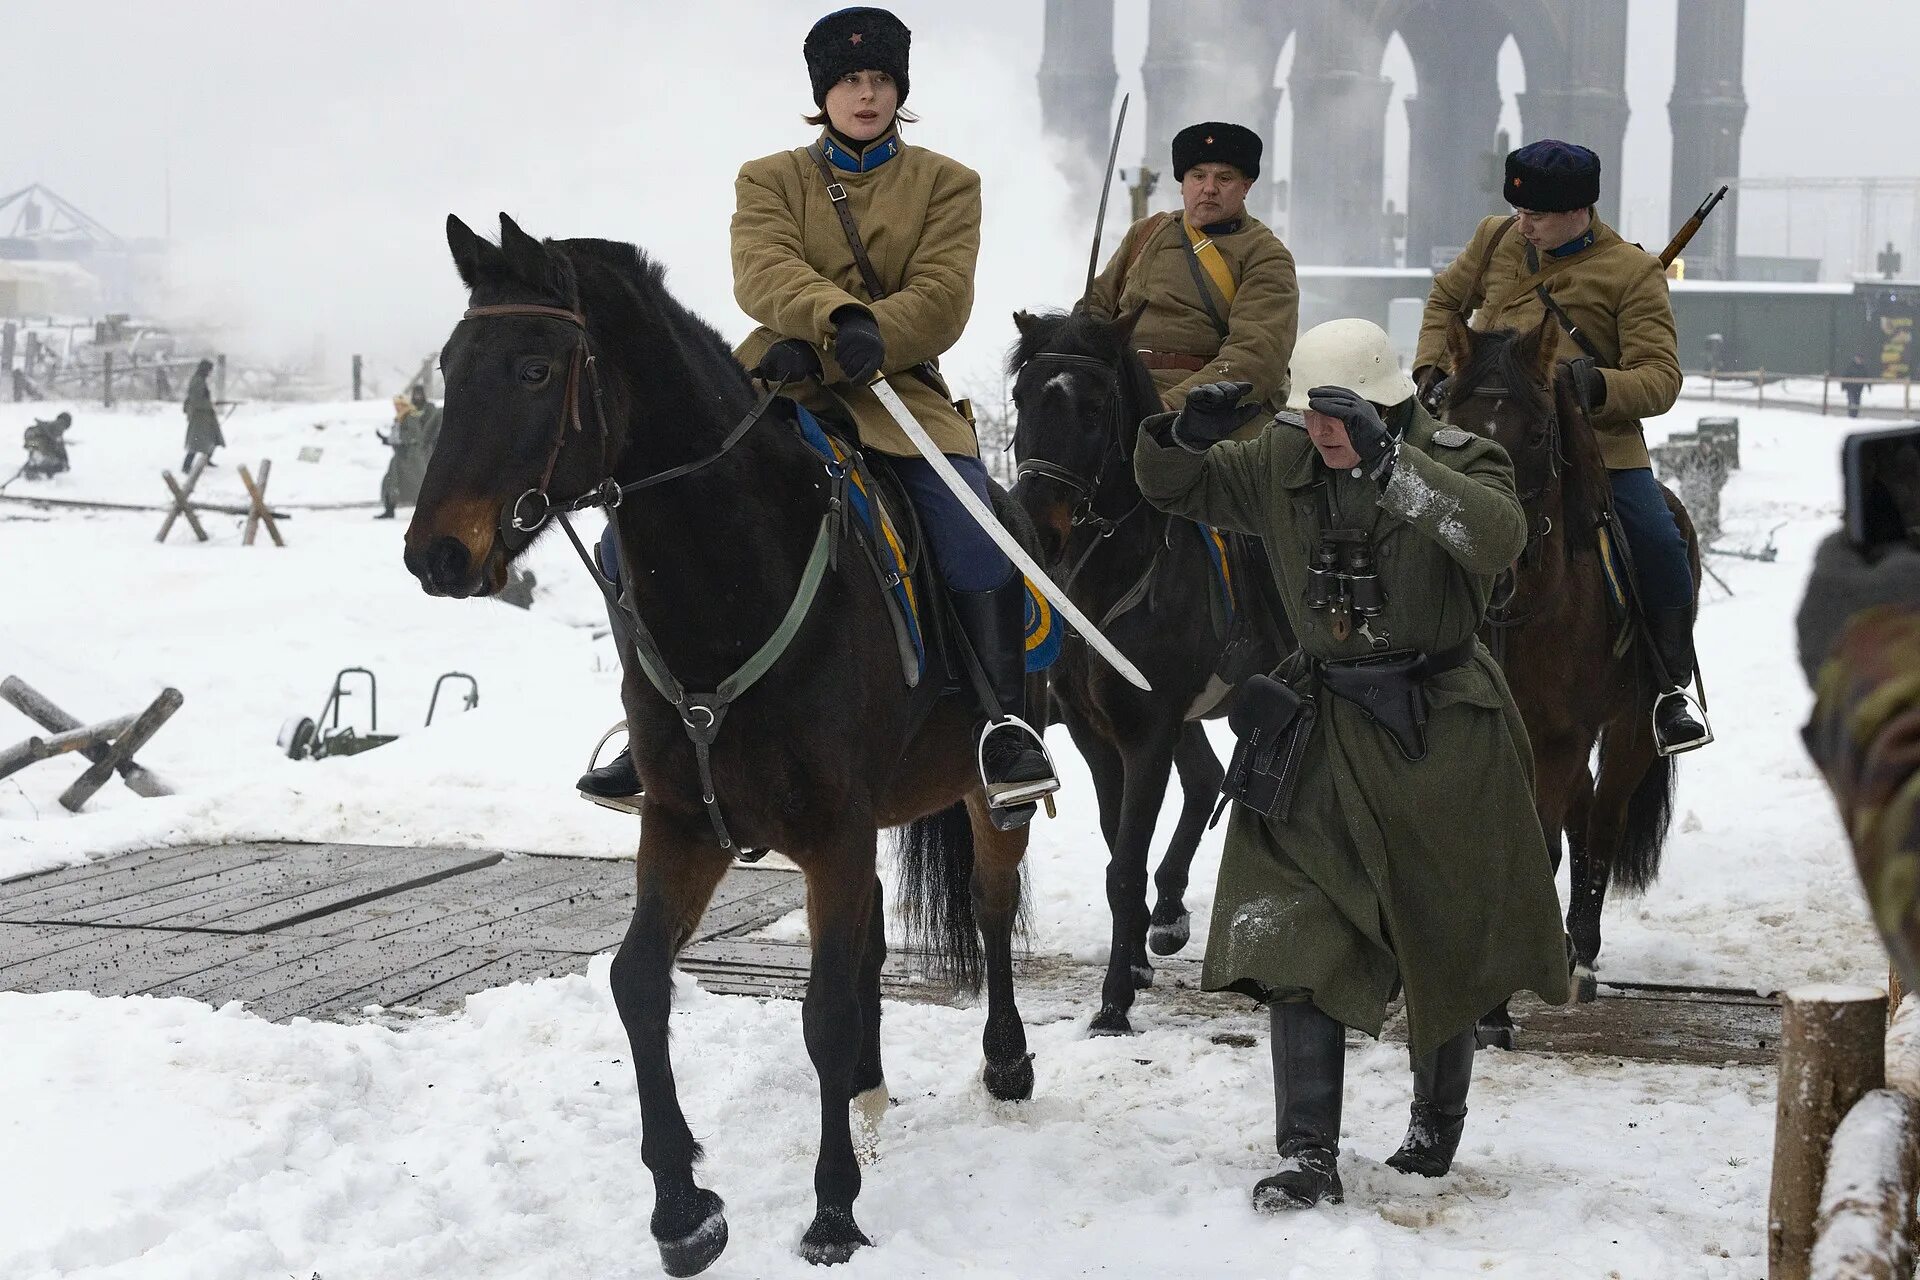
x=900, y=116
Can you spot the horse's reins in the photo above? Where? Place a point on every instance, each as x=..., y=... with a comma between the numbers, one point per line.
x=700, y=713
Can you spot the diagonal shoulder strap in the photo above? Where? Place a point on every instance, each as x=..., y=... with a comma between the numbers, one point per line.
x=1486, y=260
x=1559, y=313
x=1200, y=274
x=1155, y=225
x=837, y=193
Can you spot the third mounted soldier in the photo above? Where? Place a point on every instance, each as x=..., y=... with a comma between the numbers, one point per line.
x=1220, y=297
x=1610, y=297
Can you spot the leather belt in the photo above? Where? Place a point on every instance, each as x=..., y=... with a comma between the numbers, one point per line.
x=1173, y=360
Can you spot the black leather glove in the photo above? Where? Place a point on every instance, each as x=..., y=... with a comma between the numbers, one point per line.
x=788, y=360
x=1212, y=413
x=857, y=344
x=1365, y=431
x=1587, y=380
x=1432, y=382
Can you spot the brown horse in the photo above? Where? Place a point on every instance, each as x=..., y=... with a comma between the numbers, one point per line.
x=575, y=380
x=1578, y=686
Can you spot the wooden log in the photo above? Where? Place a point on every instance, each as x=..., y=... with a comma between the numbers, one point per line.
x=182, y=507
x=1832, y=1053
x=1865, y=1226
x=123, y=748
x=36, y=749
x=37, y=707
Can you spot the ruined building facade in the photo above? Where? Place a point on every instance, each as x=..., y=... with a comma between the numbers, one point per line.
x=1217, y=59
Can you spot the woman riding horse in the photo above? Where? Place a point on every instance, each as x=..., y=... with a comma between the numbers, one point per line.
x=856, y=255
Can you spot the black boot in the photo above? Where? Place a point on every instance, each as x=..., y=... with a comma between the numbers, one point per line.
x=1675, y=728
x=1309, y=1066
x=1440, y=1083
x=385, y=515
x=1013, y=764
x=617, y=779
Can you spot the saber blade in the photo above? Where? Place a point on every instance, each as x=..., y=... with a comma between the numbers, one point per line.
x=985, y=518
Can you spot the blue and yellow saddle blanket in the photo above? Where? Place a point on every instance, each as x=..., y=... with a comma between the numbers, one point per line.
x=905, y=595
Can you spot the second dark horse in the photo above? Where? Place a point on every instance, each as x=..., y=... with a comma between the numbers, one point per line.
x=1145, y=579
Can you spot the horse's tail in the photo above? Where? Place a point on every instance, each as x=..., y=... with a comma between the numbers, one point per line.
x=936, y=895
x=1636, y=864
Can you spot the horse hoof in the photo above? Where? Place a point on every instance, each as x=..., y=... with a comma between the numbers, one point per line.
x=1010, y=1081
x=1110, y=1022
x=1586, y=988
x=1167, y=939
x=694, y=1252
x=832, y=1238
x=1142, y=975
x=1494, y=1037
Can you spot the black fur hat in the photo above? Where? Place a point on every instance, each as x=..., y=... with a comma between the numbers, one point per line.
x=1551, y=176
x=1216, y=142
x=859, y=39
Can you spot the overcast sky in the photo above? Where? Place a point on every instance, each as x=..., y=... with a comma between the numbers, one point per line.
x=315, y=149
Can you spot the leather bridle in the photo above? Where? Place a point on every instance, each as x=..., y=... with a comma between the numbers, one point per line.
x=1086, y=491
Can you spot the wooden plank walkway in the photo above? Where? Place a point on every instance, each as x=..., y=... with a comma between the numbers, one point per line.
x=326, y=931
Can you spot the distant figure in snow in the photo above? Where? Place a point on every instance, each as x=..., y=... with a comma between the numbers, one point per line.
x=416, y=424
x=203, y=424
x=1856, y=368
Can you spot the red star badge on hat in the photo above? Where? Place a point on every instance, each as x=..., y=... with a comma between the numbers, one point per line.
x=854, y=38
x=1516, y=182
x=1209, y=139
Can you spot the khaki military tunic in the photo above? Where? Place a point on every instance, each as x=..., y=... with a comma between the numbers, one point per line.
x=1431, y=874
x=1614, y=292
x=1261, y=323
x=919, y=218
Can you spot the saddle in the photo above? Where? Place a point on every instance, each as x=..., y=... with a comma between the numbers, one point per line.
x=888, y=531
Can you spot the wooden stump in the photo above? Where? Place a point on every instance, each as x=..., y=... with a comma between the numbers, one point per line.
x=1866, y=1208
x=1832, y=1046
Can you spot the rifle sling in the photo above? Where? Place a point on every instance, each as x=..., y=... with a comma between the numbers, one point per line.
x=1559, y=313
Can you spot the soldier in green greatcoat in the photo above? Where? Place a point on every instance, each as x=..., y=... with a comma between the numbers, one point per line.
x=416, y=425
x=203, y=422
x=1409, y=857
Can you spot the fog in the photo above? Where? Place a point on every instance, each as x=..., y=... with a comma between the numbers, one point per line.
x=303, y=159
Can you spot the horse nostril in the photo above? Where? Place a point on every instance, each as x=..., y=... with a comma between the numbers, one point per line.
x=447, y=562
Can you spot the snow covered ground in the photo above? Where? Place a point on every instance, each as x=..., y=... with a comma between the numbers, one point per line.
x=173, y=1140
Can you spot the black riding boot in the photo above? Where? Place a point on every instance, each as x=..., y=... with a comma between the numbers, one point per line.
x=1440, y=1083
x=1309, y=1069
x=1675, y=729
x=617, y=779
x=1013, y=764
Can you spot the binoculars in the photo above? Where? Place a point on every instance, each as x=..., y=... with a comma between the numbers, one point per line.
x=1341, y=577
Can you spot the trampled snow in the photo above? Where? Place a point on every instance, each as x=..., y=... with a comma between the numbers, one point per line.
x=161, y=1138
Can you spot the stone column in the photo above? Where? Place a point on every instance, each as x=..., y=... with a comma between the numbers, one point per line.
x=1077, y=80
x=1339, y=154
x=1452, y=176
x=1583, y=99
x=1708, y=111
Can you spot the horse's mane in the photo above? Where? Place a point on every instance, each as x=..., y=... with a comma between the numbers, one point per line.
x=1079, y=332
x=613, y=273
x=1502, y=358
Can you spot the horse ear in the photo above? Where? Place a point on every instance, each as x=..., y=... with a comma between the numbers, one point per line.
x=1540, y=349
x=1027, y=323
x=1123, y=327
x=468, y=249
x=534, y=262
x=1459, y=344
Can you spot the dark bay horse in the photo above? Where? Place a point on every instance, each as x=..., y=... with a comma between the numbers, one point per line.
x=1579, y=690
x=1080, y=393
x=573, y=367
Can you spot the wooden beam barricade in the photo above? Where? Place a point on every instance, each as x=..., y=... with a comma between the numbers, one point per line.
x=182, y=501
x=158, y=712
x=258, y=512
x=37, y=707
x=1832, y=1054
x=1864, y=1230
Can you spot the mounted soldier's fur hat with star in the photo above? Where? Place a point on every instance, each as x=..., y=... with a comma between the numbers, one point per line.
x=859, y=39
x=1216, y=142
x=1551, y=176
